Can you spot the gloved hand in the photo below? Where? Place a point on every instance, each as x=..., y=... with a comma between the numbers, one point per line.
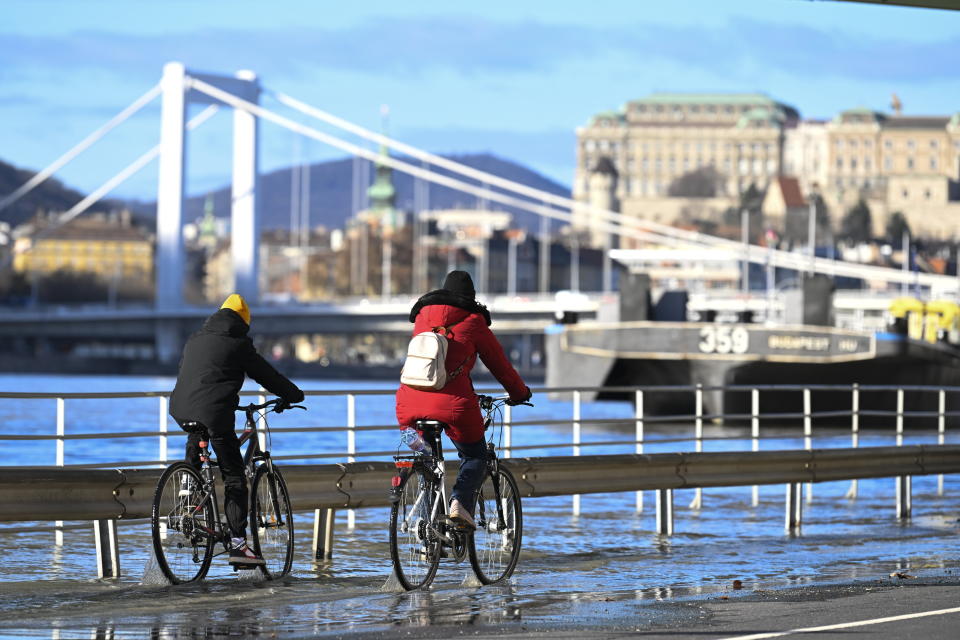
x=514, y=403
x=281, y=406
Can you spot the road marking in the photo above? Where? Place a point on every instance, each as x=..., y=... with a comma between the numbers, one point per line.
x=845, y=625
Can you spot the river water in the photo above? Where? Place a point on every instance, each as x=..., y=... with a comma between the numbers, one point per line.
x=606, y=564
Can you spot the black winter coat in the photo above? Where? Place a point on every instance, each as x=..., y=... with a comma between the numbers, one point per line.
x=215, y=360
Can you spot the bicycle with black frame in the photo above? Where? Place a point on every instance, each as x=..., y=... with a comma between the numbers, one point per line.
x=185, y=520
x=421, y=532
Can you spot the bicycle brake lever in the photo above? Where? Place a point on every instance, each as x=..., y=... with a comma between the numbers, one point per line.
x=297, y=406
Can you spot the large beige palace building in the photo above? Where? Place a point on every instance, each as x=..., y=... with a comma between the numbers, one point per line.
x=628, y=159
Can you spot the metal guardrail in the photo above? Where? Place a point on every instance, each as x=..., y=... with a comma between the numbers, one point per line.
x=31, y=494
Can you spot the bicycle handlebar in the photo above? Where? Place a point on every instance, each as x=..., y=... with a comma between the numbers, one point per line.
x=250, y=408
x=488, y=402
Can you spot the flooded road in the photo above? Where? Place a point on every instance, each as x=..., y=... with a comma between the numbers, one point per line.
x=603, y=569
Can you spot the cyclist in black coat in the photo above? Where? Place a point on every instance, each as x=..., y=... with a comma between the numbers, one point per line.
x=212, y=369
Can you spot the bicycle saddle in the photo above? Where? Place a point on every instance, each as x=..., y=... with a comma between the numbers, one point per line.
x=429, y=426
x=196, y=428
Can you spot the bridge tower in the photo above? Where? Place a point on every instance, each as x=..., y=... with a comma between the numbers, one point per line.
x=176, y=95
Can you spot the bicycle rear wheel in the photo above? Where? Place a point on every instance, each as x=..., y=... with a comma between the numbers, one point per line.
x=495, y=545
x=182, y=525
x=414, y=548
x=271, y=522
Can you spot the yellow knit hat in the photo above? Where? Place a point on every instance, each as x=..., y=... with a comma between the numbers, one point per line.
x=235, y=302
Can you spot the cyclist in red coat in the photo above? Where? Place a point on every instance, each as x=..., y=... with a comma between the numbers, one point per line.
x=455, y=306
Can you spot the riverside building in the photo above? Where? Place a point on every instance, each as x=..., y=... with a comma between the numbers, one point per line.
x=678, y=158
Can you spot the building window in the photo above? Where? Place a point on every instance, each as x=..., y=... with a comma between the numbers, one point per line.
x=771, y=166
x=887, y=144
x=866, y=164
x=728, y=109
x=911, y=144
x=888, y=163
x=933, y=144
x=641, y=108
x=694, y=108
x=853, y=144
x=589, y=145
x=839, y=164
x=933, y=163
x=926, y=194
x=853, y=164
x=839, y=143
x=906, y=194
x=867, y=144
x=909, y=163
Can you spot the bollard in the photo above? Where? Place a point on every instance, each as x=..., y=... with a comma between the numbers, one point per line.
x=794, y=506
x=323, y=521
x=854, y=433
x=904, y=497
x=638, y=416
x=697, y=501
x=108, y=551
x=351, y=447
x=665, y=512
x=755, y=434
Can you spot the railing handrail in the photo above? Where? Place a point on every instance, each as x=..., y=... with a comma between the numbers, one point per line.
x=609, y=389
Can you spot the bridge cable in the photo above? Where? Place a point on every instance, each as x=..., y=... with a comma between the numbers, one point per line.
x=122, y=176
x=82, y=146
x=779, y=257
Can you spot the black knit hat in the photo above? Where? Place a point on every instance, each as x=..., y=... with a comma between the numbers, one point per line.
x=461, y=283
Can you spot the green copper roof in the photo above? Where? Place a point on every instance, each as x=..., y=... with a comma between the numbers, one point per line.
x=700, y=98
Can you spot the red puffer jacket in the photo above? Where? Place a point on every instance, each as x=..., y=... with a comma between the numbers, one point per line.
x=456, y=404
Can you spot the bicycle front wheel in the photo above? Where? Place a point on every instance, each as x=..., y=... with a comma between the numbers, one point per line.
x=182, y=525
x=414, y=548
x=271, y=522
x=495, y=545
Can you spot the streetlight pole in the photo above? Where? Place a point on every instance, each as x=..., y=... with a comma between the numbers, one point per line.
x=745, y=258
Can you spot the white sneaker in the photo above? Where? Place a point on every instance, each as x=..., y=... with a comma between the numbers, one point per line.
x=460, y=516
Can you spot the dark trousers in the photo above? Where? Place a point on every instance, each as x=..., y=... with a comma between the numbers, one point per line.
x=236, y=497
x=473, y=467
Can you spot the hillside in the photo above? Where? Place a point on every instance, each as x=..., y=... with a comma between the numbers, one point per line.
x=52, y=195
x=331, y=188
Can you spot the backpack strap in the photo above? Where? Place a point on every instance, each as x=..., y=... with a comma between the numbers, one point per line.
x=445, y=330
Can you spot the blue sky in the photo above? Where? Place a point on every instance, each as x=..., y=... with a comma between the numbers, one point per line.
x=513, y=78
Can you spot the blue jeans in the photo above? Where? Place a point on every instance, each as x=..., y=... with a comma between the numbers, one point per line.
x=473, y=468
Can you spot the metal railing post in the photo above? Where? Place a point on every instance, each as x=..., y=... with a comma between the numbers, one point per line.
x=351, y=447
x=164, y=405
x=904, y=497
x=665, y=512
x=576, y=443
x=638, y=416
x=507, y=430
x=794, y=506
x=61, y=431
x=854, y=433
x=108, y=551
x=808, y=434
x=941, y=431
x=323, y=520
x=903, y=488
x=755, y=434
x=262, y=420
x=697, y=501
x=899, y=417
